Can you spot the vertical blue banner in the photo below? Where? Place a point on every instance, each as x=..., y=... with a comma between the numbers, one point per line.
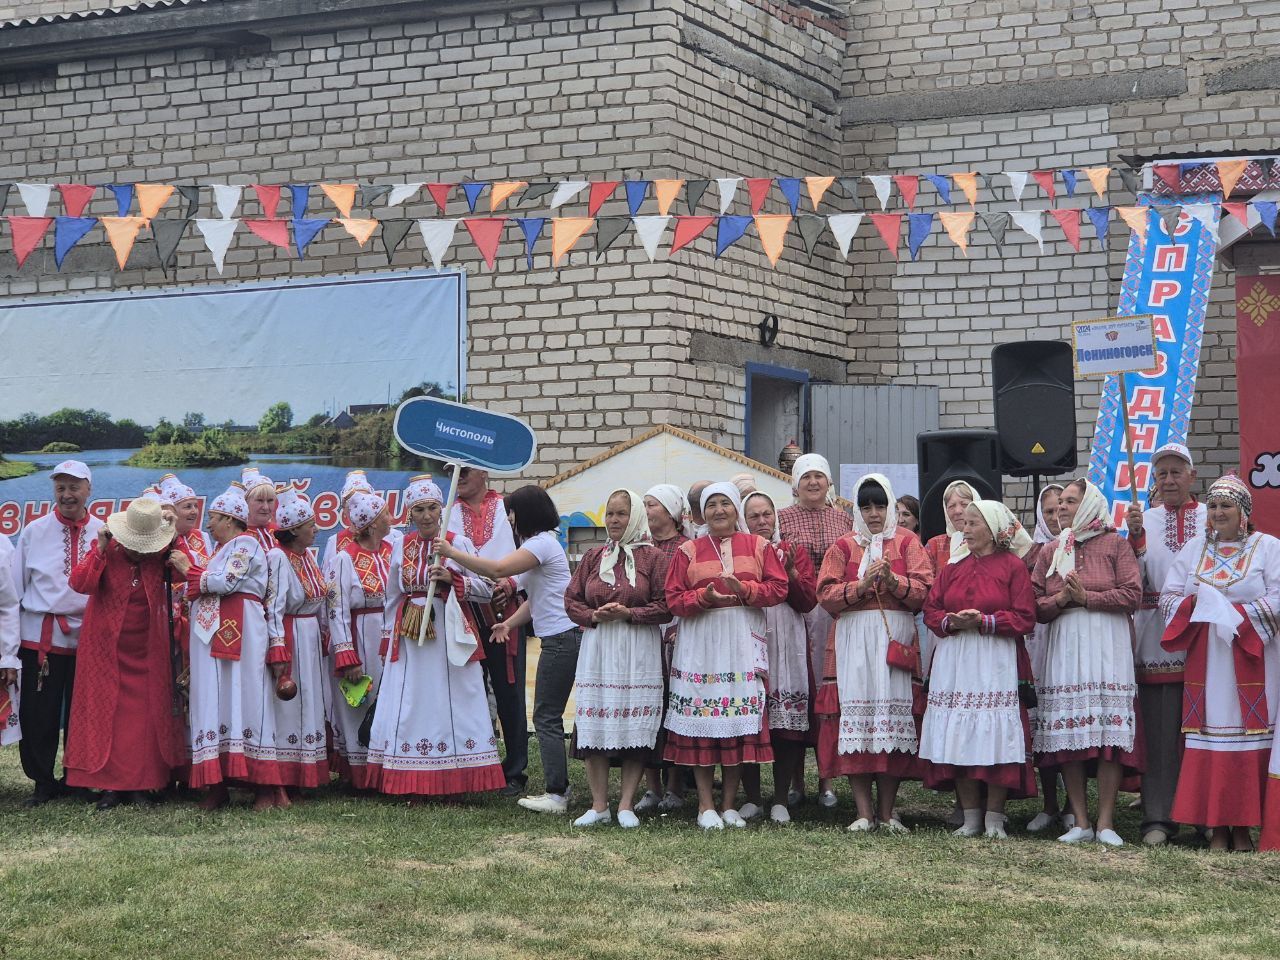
x=1168, y=277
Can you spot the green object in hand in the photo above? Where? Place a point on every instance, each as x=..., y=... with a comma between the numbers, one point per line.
x=357, y=692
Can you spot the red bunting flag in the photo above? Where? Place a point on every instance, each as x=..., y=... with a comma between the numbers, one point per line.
x=1045, y=179
x=486, y=232
x=758, y=189
x=908, y=186
x=440, y=193
x=27, y=234
x=689, y=229
x=890, y=227
x=1238, y=210
x=275, y=232
x=1170, y=173
x=600, y=192
x=75, y=197
x=269, y=197
x=1069, y=220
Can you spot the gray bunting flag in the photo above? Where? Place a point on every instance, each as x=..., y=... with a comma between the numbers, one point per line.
x=987, y=180
x=536, y=191
x=370, y=193
x=1265, y=166
x=4, y=195
x=393, y=234
x=850, y=185
x=168, y=232
x=608, y=230
x=1131, y=180
x=996, y=224
x=1169, y=216
x=693, y=191
x=810, y=230
x=190, y=192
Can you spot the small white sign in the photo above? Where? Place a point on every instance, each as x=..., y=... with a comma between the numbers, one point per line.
x=904, y=477
x=1114, y=345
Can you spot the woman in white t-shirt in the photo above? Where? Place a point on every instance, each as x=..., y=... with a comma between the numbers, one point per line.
x=541, y=569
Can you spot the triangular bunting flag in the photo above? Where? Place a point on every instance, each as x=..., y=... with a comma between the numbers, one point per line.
x=566, y=190
x=1100, y=217
x=849, y=185
x=217, y=235
x=988, y=180
x=167, y=233
x=27, y=234
x=968, y=184
x=666, y=192
x=304, y=231
x=190, y=194
x=1205, y=213
x=773, y=234
x=882, y=185
x=565, y=232
x=486, y=233
x=341, y=195
x=361, y=230
x=1069, y=181
x=941, y=184
x=1069, y=220
x=75, y=197
x=688, y=229
x=649, y=230
x=1017, y=183
x=1266, y=214
x=367, y=194
x=758, y=190
x=274, y=232
x=997, y=225
x=393, y=234
x=601, y=191
x=790, y=187
x=401, y=192
x=728, y=187
x=36, y=197
x=123, y=193
x=502, y=191
x=843, y=227
x=4, y=195
x=1136, y=218
x=729, y=230
x=817, y=186
x=693, y=192
x=889, y=226
x=299, y=195
x=1170, y=214
x=811, y=228
x=1170, y=173
x=957, y=226
x=1229, y=172
x=1030, y=222
x=226, y=197
x=1098, y=177
x=151, y=197
x=532, y=228
x=472, y=190
x=1045, y=179
x=1238, y=210
x=609, y=229
x=1131, y=179
x=440, y=194
x=1265, y=166
x=269, y=197
x=918, y=227
x=67, y=232
x=437, y=235
x=909, y=186
x=636, y=190
x=536, y=191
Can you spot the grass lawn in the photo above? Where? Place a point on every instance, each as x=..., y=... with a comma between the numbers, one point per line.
x=337, y=877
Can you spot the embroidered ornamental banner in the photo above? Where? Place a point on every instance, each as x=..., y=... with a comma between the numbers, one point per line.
x=1257, y=360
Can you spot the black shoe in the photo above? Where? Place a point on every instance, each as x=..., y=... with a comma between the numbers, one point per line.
x=40, y=796
x=141, y=798
x=110, y=800
x=512, y=789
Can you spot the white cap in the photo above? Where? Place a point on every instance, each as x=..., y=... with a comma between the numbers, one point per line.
x=73, y=468
x=1173, y=450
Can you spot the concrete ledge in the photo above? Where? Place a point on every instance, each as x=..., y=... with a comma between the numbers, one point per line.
x=1260, y=75
x=995, y=98
x=709, y=348
x=724, y=51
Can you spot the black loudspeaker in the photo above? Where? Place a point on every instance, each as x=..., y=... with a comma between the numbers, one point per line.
x=943, y=456
x=1035, y=403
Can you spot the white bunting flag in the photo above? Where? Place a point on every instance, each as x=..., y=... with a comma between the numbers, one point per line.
x=566, y=190
x=217, y=237
x=1206, y=213
x=1030, y=222
x=36, y=197
x=649, y=230
x=728, y=187
x=883, y=185
x=1017, y=182
x=226, y=198
x=402, y=192
x=437, y=235
x=844, y=226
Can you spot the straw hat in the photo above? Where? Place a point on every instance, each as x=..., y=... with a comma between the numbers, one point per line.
x=142, y=527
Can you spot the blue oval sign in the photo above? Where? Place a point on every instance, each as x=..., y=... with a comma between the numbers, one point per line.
x=457, y=433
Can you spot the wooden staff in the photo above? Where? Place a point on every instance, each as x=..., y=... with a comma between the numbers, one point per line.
x=435, y=557
x=1128, y=440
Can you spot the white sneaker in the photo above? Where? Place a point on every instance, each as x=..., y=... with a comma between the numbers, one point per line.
x=670, y=802
x=1156, y=837
x=828, y=799
x=594, y=818
x=649, y=801
x=779, y=813
x=794, y=796
x=749, y=811
x=733, y=818
x=968, y=830
x=894, y=825
x=710, y=820
x=545, y=803
x=994, y=823
x=1076, y=835
x=1109, y=838
x=1041, y=821
x=628, y=820
x=862, y=825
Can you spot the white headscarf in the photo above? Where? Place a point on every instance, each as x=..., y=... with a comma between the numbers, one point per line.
x=672, y=499
x=1042, y=534
x=959, y=549
x=1005, y=529
x=1091, y=520
x=636, y=535
x=725, y=489
x=775, y=536
x=806, y=463
x=873, y=543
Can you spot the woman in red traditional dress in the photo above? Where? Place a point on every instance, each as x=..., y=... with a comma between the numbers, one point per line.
x=125, y=739
x=873, y=581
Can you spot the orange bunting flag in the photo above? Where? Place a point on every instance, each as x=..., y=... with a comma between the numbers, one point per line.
x=1098, y=176
x=1230, y=172
x=601, y=190
x=499, y=192
x=275, y=232
x=968, y=184
x=341, y=195
x=565, y=232
x=1069, y=220
x=151, y=197
x=889, y=225
x=362, y=230
x=773, y=234
x=666, y=191
x=1136, y=218
x=957, y=226
x=122, y=231
x=817, y=187
x=688, y=229
x=908, y=186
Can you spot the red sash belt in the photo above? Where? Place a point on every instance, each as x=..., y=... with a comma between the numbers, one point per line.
x=45, y=644
x=228, y=640
x=1246, y=652
x=289, y=620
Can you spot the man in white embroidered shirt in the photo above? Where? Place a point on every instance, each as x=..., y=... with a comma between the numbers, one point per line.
x=48, y=550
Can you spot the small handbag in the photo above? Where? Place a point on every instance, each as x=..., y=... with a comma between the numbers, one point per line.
x=903, y=656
